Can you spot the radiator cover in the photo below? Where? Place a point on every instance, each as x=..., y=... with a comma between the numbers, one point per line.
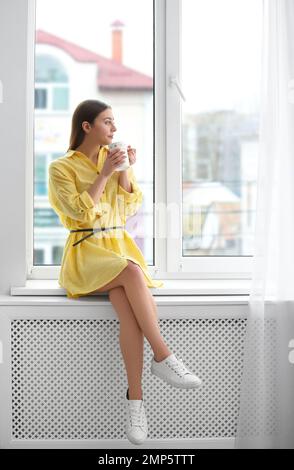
x=68, y=379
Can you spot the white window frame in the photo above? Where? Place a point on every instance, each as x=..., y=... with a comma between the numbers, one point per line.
x=200, y=267
x=169, y=263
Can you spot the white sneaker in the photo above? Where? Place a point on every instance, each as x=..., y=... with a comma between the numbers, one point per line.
x=136, y=424
x=174, y=372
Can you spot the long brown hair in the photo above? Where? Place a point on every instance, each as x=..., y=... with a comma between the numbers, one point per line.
x=86, y=111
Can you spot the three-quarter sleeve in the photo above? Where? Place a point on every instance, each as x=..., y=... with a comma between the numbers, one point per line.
x=64, y=197
x=129, y=203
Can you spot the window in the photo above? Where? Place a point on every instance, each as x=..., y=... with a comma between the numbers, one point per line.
x=57, y=254
x=51, y=84
x=41, y=98
x=183, y=79
x=41, y=188
x=213, y=125
x=38, y=256
x=78, y=57
x=221, y=80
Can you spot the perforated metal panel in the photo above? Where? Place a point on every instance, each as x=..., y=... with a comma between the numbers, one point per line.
x=69, y=379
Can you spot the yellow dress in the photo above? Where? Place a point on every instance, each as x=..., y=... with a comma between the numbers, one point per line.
x=98, y=259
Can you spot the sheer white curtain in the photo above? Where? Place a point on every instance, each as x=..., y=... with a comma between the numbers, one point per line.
x=266, y=416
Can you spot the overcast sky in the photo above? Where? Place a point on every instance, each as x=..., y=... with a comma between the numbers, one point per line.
x=87, y=23
x=220, y=43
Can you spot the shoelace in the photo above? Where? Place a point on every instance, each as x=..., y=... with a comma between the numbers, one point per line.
x=179, y=368
x=136, y=415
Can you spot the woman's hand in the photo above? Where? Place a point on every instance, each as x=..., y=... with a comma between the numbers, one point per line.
x=131, y=154
x=113, y=159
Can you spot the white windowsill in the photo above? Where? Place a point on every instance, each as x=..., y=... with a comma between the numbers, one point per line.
x=184, y=291
x=173, y=300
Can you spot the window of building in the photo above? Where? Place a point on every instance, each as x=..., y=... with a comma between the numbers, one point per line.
x=51, y=84
x=202, y=140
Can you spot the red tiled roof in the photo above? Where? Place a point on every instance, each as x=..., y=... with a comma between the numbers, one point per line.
x=112, y=75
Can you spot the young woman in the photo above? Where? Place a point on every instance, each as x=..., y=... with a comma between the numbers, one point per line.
x=87, y=193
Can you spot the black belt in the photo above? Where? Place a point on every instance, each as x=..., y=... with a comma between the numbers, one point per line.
x=92, y=230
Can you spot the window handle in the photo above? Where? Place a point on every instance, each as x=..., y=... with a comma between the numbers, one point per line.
x=174, y=81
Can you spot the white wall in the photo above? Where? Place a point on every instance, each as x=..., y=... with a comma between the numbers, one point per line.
x=13, y=58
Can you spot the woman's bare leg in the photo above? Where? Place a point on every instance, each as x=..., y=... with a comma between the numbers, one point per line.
x=143, y=306
x=132, y=351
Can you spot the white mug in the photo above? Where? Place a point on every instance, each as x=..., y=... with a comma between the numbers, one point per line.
x=121, y=145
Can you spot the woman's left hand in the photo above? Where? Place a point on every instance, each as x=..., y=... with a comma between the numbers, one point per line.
x=131, y=154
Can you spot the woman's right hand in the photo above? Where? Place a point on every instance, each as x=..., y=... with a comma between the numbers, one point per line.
x=113, y=159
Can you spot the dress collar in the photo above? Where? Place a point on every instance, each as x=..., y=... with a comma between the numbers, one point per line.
x=101, y=157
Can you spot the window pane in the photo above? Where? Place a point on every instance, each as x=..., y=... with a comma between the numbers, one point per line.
x=60, y=99
x=220, y=120
x=45, y=217
x=100, y=58
x=40, y=175
x=40, y=98
x=49, y=69
x=38, y=256
x=57, y=254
